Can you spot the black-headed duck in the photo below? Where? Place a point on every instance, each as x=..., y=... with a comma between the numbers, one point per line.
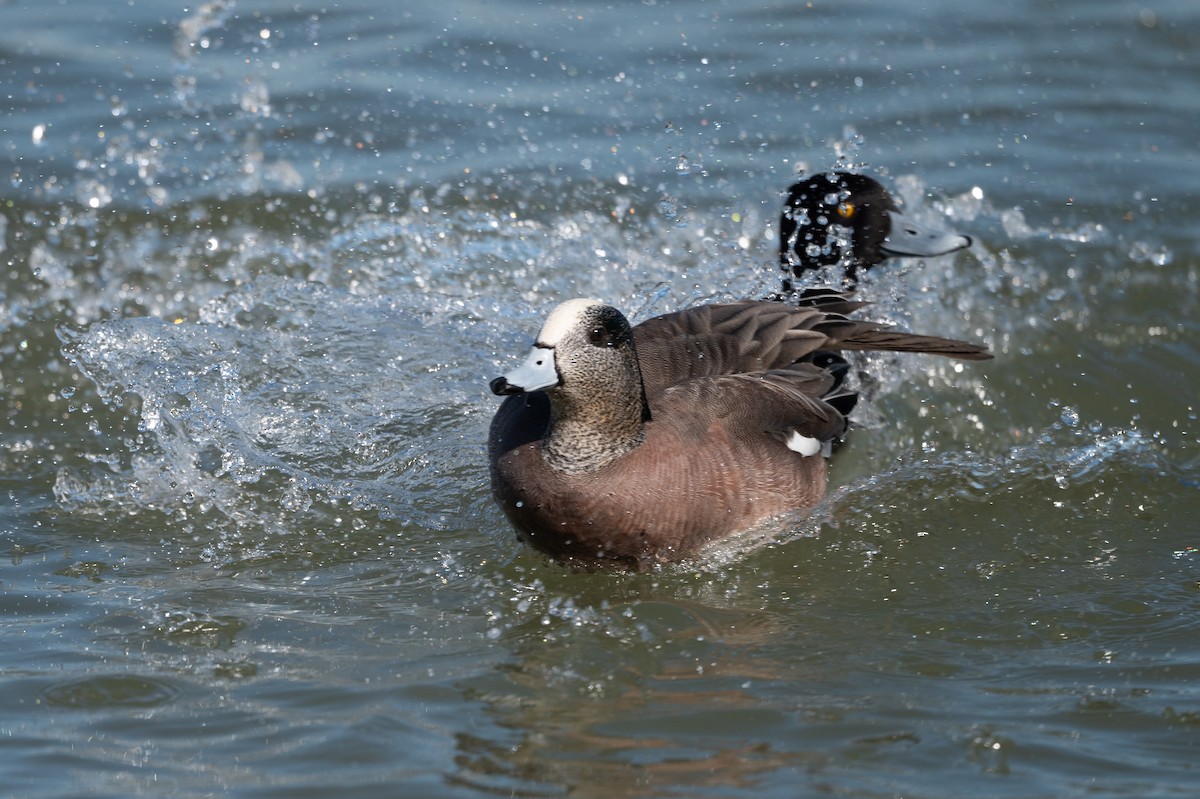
x=850, y=221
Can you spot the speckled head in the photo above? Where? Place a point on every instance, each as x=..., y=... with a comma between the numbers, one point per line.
x=584, y=359
x=850, y=220
x=571, y=342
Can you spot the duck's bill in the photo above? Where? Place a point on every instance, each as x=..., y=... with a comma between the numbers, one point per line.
x=536, y=373
x=907, y=239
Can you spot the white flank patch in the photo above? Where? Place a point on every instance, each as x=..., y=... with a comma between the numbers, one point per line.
x=805, y=445
x=562, y=319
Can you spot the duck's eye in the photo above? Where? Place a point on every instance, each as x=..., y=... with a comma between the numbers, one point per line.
x=846, y=210
x=598, y=336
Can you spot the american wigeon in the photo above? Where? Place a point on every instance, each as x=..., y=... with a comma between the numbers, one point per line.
x=851, y=221
x=634, y=446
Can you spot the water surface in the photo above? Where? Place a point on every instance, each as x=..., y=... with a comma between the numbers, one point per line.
x=261, y=260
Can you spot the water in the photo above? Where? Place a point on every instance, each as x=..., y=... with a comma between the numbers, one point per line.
x=261, y=260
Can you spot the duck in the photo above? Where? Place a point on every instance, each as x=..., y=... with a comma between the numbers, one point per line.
x=632, y=447
x=848, y=220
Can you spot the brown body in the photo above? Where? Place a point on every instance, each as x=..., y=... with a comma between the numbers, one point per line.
x=692, y=481
x=725, y=388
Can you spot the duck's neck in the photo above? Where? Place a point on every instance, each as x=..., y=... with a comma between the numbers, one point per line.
x=589, y=431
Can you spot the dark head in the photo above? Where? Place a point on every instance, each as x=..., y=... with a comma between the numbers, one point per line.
x=848, y=220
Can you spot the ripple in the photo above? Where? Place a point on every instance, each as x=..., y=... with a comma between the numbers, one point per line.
x=109, y=691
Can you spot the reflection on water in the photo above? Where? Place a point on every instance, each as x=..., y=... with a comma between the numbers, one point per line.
x=736, y=677
x=260, y=263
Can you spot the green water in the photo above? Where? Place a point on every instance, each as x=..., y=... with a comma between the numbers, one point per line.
x=260, y=261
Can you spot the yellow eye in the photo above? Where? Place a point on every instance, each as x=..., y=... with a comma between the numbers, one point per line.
x=846, y=210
